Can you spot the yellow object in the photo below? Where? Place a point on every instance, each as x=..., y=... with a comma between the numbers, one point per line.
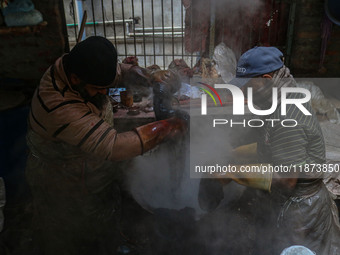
x=253, y=175
x=245, y=154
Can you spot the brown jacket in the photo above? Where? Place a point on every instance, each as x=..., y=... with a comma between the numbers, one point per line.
x=59, y=113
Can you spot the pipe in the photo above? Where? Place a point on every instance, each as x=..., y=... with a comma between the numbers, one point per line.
x=124, y=30
x=158, y=29
x=139, y=39
x=153, y=30
x=158, y=33
x=103, y=16
x=101, y=22
x=93, y=19
x=133, y=17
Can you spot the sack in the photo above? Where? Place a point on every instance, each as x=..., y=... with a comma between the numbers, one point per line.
x=225, y=62
x=29, y=18
x=319, y=102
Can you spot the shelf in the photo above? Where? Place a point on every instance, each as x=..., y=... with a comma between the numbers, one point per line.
x=22, y=30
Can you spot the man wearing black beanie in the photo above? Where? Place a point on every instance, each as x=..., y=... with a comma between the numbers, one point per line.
x=72, y=167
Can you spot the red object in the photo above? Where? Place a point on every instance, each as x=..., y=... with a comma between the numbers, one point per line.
x=132, y=60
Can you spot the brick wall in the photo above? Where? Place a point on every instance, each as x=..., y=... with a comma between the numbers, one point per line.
x=332, y=61
x=307, y=42
x=28, y=55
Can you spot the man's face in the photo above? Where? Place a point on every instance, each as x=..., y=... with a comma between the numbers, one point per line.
x=94, y=94
x=262, y=92
x=259, y=84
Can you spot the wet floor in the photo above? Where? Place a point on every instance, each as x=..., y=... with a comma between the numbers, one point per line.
x=162, y=232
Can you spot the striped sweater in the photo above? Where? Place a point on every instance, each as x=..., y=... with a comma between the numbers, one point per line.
x=60, y=114
x=299, y=145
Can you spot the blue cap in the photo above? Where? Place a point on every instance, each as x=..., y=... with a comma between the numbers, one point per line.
x=255, y=62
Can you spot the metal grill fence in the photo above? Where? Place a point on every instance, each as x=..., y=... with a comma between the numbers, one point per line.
x=152, y=30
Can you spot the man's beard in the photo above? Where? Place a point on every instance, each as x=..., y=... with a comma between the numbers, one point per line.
x=263, y=97
x=98, y=100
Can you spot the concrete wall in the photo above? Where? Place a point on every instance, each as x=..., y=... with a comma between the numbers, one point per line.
x=28, y=55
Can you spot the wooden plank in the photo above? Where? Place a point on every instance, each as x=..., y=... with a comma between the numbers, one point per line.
x=22, y=30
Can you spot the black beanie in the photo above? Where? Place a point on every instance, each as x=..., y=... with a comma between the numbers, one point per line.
x=94, y=61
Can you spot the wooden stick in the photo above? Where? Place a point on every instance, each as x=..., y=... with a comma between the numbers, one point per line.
x=82, y=27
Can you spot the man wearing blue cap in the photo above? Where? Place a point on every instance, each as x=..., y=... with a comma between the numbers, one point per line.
x=72, y=168
x=309, y=215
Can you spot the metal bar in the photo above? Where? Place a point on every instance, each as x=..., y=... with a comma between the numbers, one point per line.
x=251, y=40
x=129, y=40
x=200, y=52
x=172, y=30
x=103, y=14
x=260, y=30
x=279, y=17
x=191, y=28
x=74, y=19
x=162, y=5
x=223, y=27
x=133, y=25
x=64, y=28
x=93, y=18
x=160, y=33
x=114, y=24
x=201, y=40
x=118, y=21
x=290, y=35
x=142, y=2
x=169, y=29
x=182, y=26
x=153, y=32
x=125, y=46
x=212, y=28
x=159, y=55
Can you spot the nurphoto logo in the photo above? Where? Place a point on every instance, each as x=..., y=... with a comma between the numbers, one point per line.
x=239, y=106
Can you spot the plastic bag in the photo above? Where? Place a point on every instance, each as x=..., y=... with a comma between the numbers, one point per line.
x=2, y=202
x=189, y=91
x=29, y=18
x=225, y=62
x=319, y=103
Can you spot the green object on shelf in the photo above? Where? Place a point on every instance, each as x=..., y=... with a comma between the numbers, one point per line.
x=87, y=23
x=29, y=18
